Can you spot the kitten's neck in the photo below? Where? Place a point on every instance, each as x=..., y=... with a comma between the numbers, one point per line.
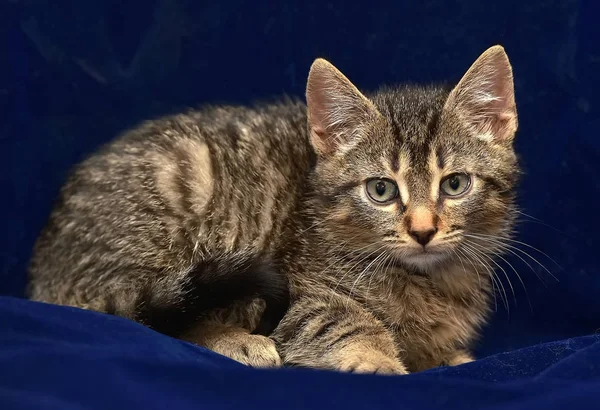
x=457, y=278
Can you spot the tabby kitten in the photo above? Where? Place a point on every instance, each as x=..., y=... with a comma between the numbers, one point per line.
x=373, y=222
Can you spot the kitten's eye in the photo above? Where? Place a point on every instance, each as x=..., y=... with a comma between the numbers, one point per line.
x=381, y=190
x=455, y=184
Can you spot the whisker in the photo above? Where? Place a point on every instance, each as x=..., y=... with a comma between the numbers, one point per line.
x=507, y=248
x=512, y=289
x=386, y=263
x=498, y=241
x=520, y=243
x=323, y=220
x=365, y=271
x=495, y=288
x=540, y=222
x=487, y=257
x=454, y=251
x=334, y=251
x=512, y=267
x=349, y=270
x=335, y=257
x=483, y=259
x=451, y=236
x=476, y=254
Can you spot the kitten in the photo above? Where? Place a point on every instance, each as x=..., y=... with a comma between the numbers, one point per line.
x=379, y=218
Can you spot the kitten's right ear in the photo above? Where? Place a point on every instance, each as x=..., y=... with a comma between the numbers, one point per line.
x=336, y=109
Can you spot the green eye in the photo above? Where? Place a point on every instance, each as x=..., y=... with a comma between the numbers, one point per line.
x=381, y=191
x=455, y=184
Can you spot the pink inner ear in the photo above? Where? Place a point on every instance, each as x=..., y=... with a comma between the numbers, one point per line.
x=317, y=97
x=335, y=107
x=503, y=115
x=318, y=113
x=322, y=142
x=485, y=96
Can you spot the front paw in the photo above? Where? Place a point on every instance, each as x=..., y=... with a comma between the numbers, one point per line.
x=371, y=362
x=237, y=344
x=251, y=350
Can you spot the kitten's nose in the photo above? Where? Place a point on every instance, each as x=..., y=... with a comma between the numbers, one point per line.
x=421, y=224
x=423, y=237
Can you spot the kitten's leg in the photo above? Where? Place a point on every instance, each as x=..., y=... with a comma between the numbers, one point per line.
x=210, y=307
x=227, y=332
x=458, y=357
x=236, y=343
x=334, y=332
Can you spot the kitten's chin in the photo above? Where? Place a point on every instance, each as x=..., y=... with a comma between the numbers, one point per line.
x=425, y=261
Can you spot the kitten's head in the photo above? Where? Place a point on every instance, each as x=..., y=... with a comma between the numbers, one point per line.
x=415, y=172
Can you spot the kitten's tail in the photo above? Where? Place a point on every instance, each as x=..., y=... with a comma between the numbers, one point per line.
x=214, y=284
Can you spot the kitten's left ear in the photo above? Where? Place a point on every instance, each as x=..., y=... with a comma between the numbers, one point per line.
x=485, y=97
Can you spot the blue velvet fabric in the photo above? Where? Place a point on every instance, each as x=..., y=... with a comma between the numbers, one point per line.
x=69, y=82
x=62, y=358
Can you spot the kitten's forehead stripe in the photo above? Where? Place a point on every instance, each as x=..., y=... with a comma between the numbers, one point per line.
x=439, y=153
x=401, y=158
x=436, y=175
x=395, y=162
x=432, y=124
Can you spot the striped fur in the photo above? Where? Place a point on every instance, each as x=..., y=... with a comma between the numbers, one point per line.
x=194, y=224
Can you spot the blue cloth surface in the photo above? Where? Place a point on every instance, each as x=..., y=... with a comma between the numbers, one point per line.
x=63, y=358
x=77, y=72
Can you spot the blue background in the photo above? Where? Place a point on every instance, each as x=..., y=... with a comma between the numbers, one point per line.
x=75, y=73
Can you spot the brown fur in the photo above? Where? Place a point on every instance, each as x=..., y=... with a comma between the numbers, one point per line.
x=225, y=184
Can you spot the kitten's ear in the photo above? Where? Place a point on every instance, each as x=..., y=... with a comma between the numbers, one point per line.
x=336, y=109
x=485, y=97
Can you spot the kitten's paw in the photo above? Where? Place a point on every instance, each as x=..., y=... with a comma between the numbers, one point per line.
x=371, y=362
x=251, y=350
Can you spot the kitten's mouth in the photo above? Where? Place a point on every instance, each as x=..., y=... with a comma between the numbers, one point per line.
x=425, y=250
x=421, y=259
x=425, y=255
x=424, y=258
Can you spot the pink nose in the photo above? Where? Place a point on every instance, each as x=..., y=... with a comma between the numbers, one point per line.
x=423, y=237
x=421, y=225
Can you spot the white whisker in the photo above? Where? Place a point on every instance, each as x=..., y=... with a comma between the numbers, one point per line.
x=479, y=256
x=499, y=238
x=506, y=246
x=484, y=249
x=462, y=251
x=365, y=271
